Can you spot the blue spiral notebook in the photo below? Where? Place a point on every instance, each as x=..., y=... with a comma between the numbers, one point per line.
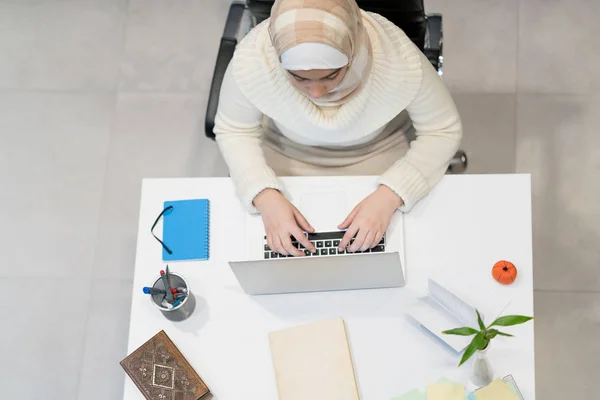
x=186, y=230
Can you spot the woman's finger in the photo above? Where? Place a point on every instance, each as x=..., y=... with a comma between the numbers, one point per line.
x=286, y=242
x=368, y=241
x=348, y=237
x=302, y=222
x=360, y=239
x=349, y=218
x=303, y=240
x=378, y=237
x=278, y=245
x=270, y=242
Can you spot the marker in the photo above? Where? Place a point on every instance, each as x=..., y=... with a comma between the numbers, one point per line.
x=179, y=300
x=151, y=290
x=166, y=284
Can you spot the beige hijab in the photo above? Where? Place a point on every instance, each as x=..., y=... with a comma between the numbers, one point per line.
x=337, y=23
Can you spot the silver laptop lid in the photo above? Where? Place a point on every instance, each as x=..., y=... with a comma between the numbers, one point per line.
x=314, y=274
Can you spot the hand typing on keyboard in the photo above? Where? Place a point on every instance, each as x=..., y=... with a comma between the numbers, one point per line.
x=327, y=244
x=369, y=220
x=283, y=223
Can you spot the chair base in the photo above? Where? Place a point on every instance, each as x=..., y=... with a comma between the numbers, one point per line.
x=459, y=163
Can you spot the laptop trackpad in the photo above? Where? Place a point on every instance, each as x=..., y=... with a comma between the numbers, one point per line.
x=324, y=211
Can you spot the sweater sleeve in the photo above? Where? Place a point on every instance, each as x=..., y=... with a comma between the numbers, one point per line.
x=238, y=130
x=438, y=129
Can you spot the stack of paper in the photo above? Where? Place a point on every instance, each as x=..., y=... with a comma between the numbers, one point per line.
x=445, y=391
x=441, y=390
x=412, y=395
x=497, y=390
x=313, y=362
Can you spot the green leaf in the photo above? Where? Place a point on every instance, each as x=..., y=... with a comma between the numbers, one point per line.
x=479, y=320
x=461, y=331
x=510, y=320
x=491, y=333
x=477, y=343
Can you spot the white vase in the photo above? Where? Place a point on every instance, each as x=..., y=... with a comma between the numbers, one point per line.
x=482, y=374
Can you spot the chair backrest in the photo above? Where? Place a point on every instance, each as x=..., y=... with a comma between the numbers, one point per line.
x=408, y=15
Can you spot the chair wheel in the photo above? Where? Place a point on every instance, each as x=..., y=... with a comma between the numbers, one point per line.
x=459, y=163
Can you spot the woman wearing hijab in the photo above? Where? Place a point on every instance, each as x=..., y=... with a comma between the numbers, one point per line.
x=324, y=88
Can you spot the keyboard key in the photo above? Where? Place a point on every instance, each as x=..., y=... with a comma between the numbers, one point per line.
x=336, y=243
x=377, y=249
x=267, y=247
x=326, y=235
x=267, y=254
x=323, y=252
x=319, y=244
x=328, y=243
x=307, y=253
x=332, y=251
x=382, y=241
x=343, y=251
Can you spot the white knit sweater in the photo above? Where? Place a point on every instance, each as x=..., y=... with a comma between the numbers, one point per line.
x=401, y=78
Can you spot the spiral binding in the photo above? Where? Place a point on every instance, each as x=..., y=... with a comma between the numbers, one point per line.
x=207, y=216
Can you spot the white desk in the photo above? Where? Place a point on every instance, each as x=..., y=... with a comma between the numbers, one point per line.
x=465, y=225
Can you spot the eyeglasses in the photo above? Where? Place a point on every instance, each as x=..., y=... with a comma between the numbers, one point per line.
x=163, y=212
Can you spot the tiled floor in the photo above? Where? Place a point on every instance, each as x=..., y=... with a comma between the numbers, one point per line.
x=96, y=94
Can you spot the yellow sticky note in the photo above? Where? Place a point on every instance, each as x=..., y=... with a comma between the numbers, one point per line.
x=496, y=390
x=445, y=391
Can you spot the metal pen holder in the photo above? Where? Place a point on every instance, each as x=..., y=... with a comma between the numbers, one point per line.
x=184, y=309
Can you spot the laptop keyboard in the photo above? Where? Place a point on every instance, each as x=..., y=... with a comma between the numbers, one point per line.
x=326, y=244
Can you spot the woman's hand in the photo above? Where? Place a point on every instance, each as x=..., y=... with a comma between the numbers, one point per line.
x=282, y=220
x=369, y=220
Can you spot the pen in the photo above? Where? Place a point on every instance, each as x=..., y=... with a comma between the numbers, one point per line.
x=151, y=290
x=168, y=277
x=167, y=287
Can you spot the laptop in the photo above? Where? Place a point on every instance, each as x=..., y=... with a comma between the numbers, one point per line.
x=325, y=204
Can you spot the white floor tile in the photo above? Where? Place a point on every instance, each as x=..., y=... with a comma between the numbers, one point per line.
x=558, y=143
x=489, y=131
x=53, y=150
x=557, y=39
x=566, y=345
x=172, y=45
x=106, y=339
x=64, y=45
x=154, y=136
x=41, y=340
x=480, y=44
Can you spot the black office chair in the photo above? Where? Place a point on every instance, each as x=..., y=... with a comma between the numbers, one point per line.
x=424, y=30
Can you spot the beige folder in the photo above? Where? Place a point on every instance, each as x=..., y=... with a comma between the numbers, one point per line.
x=313, y=362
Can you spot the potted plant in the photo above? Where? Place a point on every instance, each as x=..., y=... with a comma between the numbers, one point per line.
x=482, y=374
